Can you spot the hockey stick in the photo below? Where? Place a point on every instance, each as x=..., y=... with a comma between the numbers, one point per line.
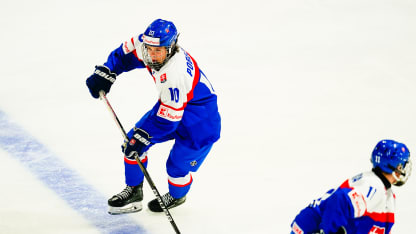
x=136, y=156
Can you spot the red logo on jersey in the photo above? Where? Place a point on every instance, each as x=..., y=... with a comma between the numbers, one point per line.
x=377, y=230
x=296, y=229
x=162, y=111
x=126, y=48
x=163, y=78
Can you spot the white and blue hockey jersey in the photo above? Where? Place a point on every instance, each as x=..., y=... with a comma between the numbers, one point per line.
x=363, y=204
x=187, y=107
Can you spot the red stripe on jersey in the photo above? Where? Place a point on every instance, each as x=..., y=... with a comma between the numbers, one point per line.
x=173, y=108
x=190, y=95
x=135, y=51
x=346, y=184
x=132, y=42
x=135, y=54
x=380, y=217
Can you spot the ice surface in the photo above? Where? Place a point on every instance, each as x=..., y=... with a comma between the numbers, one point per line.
x=306, y=89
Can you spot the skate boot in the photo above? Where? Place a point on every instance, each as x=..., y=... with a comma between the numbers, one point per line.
x=169, y=201
x=127, y=201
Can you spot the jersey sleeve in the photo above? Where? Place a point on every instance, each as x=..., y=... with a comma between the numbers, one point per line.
x=345, y=204
x=159, y=129
x=125, y=57
x=337, y=212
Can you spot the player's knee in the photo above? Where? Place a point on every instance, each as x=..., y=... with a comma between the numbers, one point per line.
x=175, y=169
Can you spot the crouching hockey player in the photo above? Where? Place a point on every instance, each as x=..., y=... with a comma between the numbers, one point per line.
x=363, y=204
x=186, y=112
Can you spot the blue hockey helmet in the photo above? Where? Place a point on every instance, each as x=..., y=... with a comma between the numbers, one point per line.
x=159, y=33
x=392, y=156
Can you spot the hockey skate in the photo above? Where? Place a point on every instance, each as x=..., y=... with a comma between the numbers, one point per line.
x=168, y=200
x=127, y=201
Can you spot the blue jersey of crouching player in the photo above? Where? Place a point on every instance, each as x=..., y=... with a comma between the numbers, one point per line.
x=363, y=204
x=186, y=111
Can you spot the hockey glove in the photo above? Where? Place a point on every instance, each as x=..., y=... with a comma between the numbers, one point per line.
x=139, y=143
x=102, y=79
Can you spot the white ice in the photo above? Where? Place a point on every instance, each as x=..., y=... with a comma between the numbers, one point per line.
x=306, y=89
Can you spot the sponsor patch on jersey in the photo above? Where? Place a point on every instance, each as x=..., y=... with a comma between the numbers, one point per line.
x=296, y=229
x=377, y=230
x=163, y=78
x=128, y=46
x=358, y=203
x=169, y=113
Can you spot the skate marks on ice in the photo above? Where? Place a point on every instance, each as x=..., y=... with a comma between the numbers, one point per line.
x=66, y=183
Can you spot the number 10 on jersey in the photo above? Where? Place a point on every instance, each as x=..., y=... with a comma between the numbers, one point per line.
x=174, y=94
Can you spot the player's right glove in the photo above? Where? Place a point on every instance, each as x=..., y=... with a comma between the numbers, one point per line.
x=138, y=143
x=102, y=79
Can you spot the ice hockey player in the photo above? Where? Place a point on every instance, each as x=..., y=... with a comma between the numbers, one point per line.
x=364, y=203
x=186, y=112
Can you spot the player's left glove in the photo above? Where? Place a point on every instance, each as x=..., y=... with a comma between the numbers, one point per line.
x=138, y=143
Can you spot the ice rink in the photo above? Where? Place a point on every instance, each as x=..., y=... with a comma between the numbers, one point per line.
x=306, y=88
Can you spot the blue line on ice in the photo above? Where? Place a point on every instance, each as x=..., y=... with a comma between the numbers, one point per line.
x=48, y=168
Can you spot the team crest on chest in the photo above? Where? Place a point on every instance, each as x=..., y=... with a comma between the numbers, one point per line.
x=163, y=78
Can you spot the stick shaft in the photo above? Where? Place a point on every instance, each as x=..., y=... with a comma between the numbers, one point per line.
x=142, y=168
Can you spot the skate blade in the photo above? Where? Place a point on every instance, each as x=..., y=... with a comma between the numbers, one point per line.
x=129, y=208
